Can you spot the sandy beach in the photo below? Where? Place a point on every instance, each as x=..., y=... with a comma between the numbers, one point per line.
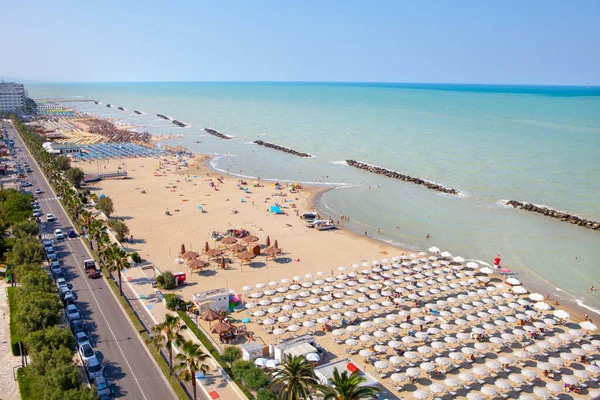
x=200, y=201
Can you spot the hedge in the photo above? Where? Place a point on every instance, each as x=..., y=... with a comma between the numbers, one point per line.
x=26, y=383
x=15, y=335
x=213, y=351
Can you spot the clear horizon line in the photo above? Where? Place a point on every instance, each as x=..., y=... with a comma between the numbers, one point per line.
x=328, y=82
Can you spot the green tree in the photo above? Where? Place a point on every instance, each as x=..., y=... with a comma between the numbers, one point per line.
x=25, y=229
x=38, y=311
x=167, y=281
x=14, y=207
x=80, y=393
x=119, y=228
x=116, y=261
x=191, y=360
x=61, y=378
x=75, y=176
x=296, y=380
x=265, y=394
x=231, y=354
x=26, y=251
x=239, y=367
x=86, y=219
x=346, y=386
x=105, y=204
x=35, y=281
x=46, y=359
x=167, y=334
x=255, y=378
x=52, y=338
x=63, y=163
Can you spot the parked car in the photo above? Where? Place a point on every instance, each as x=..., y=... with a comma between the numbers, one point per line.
x=58, y=234
x=29, y=170
x=26, y=184
x=68, y=297
x=86, y=352
x=72, y=234
x=56, y=268
x=38, y=191
x=81, y=338
x=77, y=326
x=103, y=387
x=50, y=217
x=37, y=213
x=94, y=368
x=47, y=244
x=73, y=312
x=61, y=282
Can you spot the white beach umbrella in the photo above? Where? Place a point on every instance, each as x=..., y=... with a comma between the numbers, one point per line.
x=446, y=254
x=456, y=356
x=259, y=313
x=322, y=320
x=536, y=297
x=554, y=387
x=260, y=362
x=437, y=389
x=365, y=353
x=593, y=369
x=516, y=379
x=365, y=338
x=458, y=259
x=489, y=391
x=396, y=360
x=380, y=364
x=480, y=371
x=588, y=326
x=338, y=332
x=398, y=378
x=474, y=396
x=394, y=344
x=278, y=331
x=582, y=374
x=503, y=385
x=529, y=374
x=313, y=357
x=466, y=377
x=562, y=314
x=351, y=342
x=570, y=380
x=420, y=394
x=541, y=393
x=542, y=306
x=519, y=290
x=269, y=322
x=283, y=319
x=413, y=372
x=493, y=365
x=293, y=328
x=308, y=324
x=452, y=383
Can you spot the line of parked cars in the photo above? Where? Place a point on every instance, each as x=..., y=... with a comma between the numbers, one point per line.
x=91, y=362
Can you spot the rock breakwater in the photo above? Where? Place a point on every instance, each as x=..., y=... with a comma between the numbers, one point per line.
x=179, y=124
x=281, y=148
x=122, y=108
x=216, y=133
x=138, y=112
x=163, y=116
x=564, y=217
x=109, y=105
x=402, y=177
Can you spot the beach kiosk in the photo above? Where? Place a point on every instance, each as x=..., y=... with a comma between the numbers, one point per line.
x=251, y=351
x=325, y=372
x=300, y=346
x=216, y=300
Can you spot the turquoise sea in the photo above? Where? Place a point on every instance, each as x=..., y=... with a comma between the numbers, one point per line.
x=536, y=144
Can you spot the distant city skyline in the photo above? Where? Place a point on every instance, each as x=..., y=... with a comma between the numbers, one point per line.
x=462, y=42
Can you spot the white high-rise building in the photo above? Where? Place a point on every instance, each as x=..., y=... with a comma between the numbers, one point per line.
x=12, y=96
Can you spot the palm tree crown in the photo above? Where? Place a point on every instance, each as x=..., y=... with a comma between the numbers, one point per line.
x=296, y=381
x=348, y=387
x=168, y=333
x=190, y=362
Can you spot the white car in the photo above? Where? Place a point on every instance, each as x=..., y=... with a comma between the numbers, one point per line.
x=38, y=191
x=94, y=368
x=58, y=234
x=62, y=282
x=50, y=217
x=82, y=339
x=86, y=351
x=73, y=312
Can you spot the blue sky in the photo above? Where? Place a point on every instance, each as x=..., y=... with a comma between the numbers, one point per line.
x=519, y=42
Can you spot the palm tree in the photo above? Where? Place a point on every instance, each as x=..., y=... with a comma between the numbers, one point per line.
x=191, y=361
x=167, y=334
x=97, y=228
x=348, y=387
x=86, y=219
x=116, y=261
x=296, y=381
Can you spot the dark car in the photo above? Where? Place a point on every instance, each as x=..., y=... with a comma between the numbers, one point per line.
x=77, y=326
x=72, y=234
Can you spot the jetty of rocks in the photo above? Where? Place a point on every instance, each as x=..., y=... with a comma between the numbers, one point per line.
x=402, y=177
x=281, y=148
x=163, y=116
x=96, y=102
x=121, y=108
x=179, y=124
x=109, y=105
x=216, y=133
x=565, y=217
x=138, y=112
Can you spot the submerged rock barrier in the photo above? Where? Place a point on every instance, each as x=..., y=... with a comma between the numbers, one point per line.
x=163, y=116
x=564, y=217
x=402, y=177
x=216, y=133
x=138, y=112
x=281, y=148
x=179, y=124
x=122, y=108
x=109, y=105
x=96, y=102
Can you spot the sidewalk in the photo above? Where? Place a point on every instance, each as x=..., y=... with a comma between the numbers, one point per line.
x=147, y=304
x=10, y=390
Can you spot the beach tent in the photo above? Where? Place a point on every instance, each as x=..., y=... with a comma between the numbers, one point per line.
x=275, y=210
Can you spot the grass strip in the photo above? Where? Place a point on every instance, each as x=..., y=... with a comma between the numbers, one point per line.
x=15, y=335
x=212, y=350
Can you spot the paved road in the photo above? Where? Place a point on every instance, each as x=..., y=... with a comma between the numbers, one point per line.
x=129, y=366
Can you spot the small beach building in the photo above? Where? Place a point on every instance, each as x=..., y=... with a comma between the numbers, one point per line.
x=61, y=148
x=325, y=371
x=216, y=300
x=251, y=351
x=300, y=346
